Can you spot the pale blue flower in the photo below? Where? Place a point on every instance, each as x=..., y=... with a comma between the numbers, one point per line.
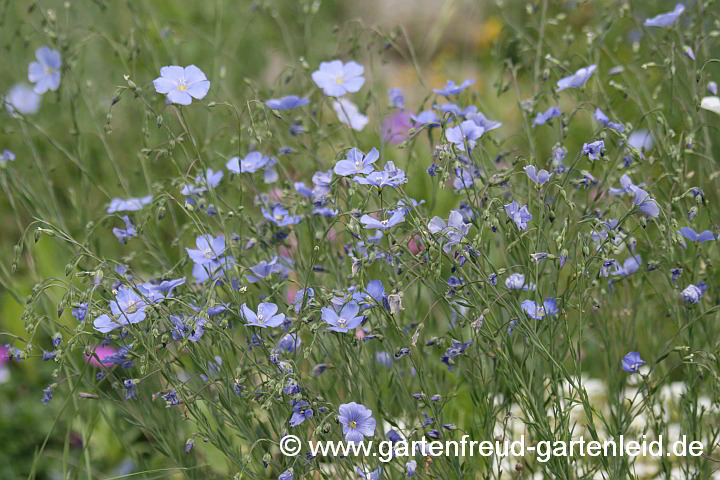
x=578, y=79
x=451, y=88
x=454, y=231
x=690, y=234
x=210, y=179
x=467, y=130
x=645, y=203
x=336, y=78
x=287, y=103
x=344, y=321
x=665, y=19
x=22, y=99
x=396, y=218
x=357, y=422
x=356, y=163
x=641, y=140
x=181, y=85
x=396, y=97
x=594, y=150
x=543, y=117
x=209, y=248
x=128, y=232
x=426, y=117
x=7, y=156
x=252, y=162
x=128, y=308
x=45, y=72
x=539, y=177
x=266, y=316
x=521, y=216
x=537, y=312
x=128, y=205
x=481, y=121
x=693, y=293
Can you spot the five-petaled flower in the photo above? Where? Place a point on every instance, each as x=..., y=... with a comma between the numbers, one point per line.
x=181, y=85
x=266, y=316
x=345, y=320
x=357, y=422
x=45, y=72
x=337, y=78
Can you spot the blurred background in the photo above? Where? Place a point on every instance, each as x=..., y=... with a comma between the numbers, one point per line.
x=248, y=50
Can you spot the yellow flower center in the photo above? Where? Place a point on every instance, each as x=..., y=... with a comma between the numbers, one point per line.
x=182, y=85
x=261, y=318
x=208, y=254
x=353, y=424
x=340, y=79
x=342, y=322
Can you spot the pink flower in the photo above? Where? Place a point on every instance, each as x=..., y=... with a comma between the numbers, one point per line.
x=415, y=245
x=101, y=352
x=396, y=127
x=4, y=355
x=359, y=333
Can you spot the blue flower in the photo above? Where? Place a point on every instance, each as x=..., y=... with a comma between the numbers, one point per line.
x=7, y=156
x=426, y=117
x=181, y=85
x=252, y=162
x=690, y=234
x=280, y=216
x=410, y=467
x=665, y=19
x=594, y=150
x=454, y=231
x=209, y=248
x=356, y=162
x=191, y=328
x=451, y=88
x=336, y=79
x=712, y=88
x=641, y=140
x=289, y=343
x=693, y=293
x=603, y=119
x=267, y=316
x=286, y=475
x=389, y=177
x=543, y=117
x=344, y=321
x=210, y=179
x=558, y=159
x=349, y=114
x=537, y=312
x=396, y=97
x=467, y=130
x=123, y=234
x=129, y=205
x=287, y=103
x=452, y=108
x=644, y=203
x=520, y=216
x=626, y=186
x=374, y=475
x=541, y=177
x=396, y=218
x=45, y=73
x=357, y=422
x=22, y=99
x=301, y=412
x=516, y=281
x=481, y=121
x=128, y=308
x=632, y=362
x=578, y=79
x=47, y=395
x=80, y=311
x=264, y=269
x=630, y=266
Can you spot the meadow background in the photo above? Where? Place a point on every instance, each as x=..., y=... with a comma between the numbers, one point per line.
x=94, y=139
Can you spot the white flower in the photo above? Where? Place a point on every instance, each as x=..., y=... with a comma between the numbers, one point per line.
x=348, y=113
x=711, y=103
